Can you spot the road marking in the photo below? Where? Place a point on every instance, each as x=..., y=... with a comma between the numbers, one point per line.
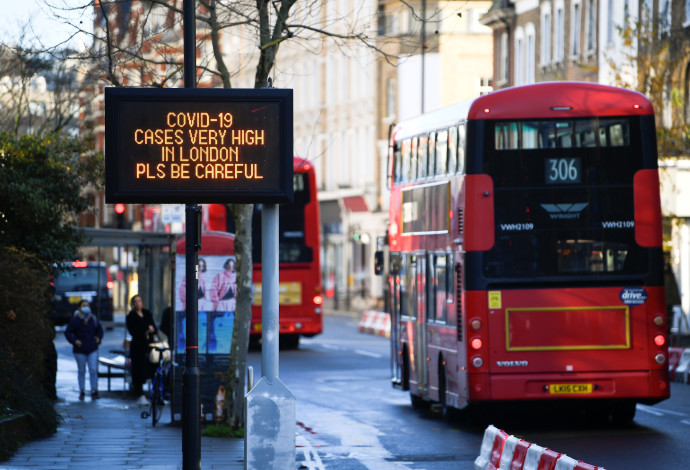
x=662, y=410
x=361, y=352
x=649, y=410
x=311, y=461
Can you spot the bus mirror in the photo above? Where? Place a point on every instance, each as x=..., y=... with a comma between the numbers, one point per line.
x=378, y=263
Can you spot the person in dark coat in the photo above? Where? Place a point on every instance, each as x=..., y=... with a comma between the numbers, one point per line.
x=142, y=328
x=85, y=333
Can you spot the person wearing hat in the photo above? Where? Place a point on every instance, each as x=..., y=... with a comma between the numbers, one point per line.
x=85, y=333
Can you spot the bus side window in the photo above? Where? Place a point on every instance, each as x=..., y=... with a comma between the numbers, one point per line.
x=431, y=168
x=422, y=155
x=440, y=288
x=413, y=160
x=405, y=157
x=452, y=150
x=461, y=148
x=397, y=163
x=404, y=294
x=441, y=152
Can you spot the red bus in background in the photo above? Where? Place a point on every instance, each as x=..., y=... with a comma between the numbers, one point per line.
x=525, y=251
x=300, y=296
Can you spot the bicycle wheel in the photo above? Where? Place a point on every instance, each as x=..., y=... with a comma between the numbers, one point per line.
x=157, y=398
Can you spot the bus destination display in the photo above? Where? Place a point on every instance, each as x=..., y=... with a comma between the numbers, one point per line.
x=198, y=145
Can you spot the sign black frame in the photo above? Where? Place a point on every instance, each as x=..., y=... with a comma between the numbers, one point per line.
x=143, y=100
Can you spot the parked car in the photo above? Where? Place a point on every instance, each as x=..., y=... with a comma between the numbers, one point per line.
x=82, y=280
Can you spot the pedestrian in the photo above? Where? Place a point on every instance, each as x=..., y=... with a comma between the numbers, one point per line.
x=142, y=328
x=85, y=333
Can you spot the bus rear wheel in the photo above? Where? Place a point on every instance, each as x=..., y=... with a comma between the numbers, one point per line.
x=289, y=341
x=447, y=412
x=623, y=412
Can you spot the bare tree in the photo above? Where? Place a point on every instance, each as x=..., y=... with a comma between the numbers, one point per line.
x=139, y=43
x=39, y=91
x=652, y=64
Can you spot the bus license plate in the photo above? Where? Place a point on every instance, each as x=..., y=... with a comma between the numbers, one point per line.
x=570, y=388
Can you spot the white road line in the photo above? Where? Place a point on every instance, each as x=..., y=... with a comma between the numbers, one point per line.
x=312, y=461
x=649, y=410
x=361, y=352
x=669, y=412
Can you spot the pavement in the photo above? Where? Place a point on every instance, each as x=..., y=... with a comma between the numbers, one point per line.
x=109, y=433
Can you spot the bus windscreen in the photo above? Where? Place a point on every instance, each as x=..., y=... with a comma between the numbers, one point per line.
x=563, y=198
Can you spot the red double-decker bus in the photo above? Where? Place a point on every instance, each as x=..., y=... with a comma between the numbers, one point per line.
x=299, y=240
x=525, y=250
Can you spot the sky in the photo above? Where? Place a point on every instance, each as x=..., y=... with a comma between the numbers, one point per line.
x=41, y=22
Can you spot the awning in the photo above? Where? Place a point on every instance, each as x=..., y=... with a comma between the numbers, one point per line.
x=355, y=204
x=120, y=237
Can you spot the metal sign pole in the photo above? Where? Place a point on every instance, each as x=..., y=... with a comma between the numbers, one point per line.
x=191, y=399
x=269, y=291
x=191, y=396
x=270, y=407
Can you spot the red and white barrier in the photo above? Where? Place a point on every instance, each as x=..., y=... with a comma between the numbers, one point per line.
x=375, y=323
x=492, y=448
x=681, y=372
x=500, y=451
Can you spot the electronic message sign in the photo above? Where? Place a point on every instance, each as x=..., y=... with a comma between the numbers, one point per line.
x=198, y=145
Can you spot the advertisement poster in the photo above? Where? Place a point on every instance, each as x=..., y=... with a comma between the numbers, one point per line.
x=217, y=297
x=217, y=290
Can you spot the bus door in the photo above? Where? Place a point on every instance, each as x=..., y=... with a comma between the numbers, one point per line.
x=394, y=308
x=420, y=343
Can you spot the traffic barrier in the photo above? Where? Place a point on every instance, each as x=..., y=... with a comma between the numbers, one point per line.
x=500, y=451
x=515, y=459
x=375, y=323
x=365, y=321
x=673, y=361
x=683, y=369
x=492, y=448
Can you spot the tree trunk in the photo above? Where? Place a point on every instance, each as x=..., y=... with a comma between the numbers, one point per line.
x=236, y=375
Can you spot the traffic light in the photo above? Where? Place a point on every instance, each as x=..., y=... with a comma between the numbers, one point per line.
x=120, y=214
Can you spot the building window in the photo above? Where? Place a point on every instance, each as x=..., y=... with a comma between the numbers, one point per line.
x=559, y=34
x=576, y=25
x=687, y=13
x=609, y=22
x=546, y=34
x=519, y=57
x=530, y=53
x=485, y=85
x=591, y=24
x=390, y=98
x=664, y=16
x=504, y=65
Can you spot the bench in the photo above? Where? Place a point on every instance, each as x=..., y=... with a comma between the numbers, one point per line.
x=115, y=368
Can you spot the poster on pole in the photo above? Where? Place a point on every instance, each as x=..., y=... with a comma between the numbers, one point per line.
x=217, y=292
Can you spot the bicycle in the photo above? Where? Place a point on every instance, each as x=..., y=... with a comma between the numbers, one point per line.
x=159, y=391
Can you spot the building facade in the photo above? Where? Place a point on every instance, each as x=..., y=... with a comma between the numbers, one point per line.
x=643, y=45
x=359, y=66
